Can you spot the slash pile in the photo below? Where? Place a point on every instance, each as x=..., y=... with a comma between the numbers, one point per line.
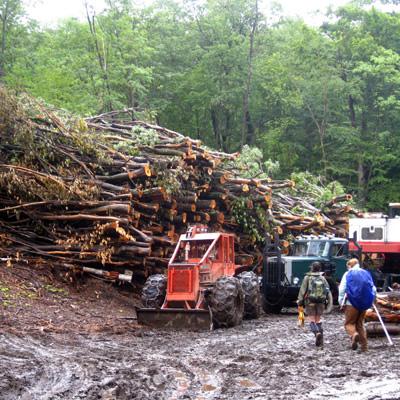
x=114, y=193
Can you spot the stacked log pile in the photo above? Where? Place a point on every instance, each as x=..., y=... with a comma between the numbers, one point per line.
x=388, y=305
x=114, y=193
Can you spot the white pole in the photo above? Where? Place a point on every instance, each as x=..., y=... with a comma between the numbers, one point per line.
x=383, y=325
x=343, y=301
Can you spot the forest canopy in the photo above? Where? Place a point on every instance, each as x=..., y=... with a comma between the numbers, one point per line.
x=318, y=99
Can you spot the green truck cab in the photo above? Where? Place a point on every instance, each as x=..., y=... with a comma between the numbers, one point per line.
x=282, y=275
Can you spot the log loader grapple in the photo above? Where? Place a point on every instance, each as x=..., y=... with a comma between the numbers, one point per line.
x=204, y=288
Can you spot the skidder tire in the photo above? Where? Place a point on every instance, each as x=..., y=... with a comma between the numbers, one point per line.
x=226, y=302
x=252, y=295
x=154, y=291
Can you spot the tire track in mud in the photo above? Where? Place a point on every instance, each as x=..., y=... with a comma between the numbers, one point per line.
x=195, y=382
x=265, y=359
x=55, y=370
x=190, y=377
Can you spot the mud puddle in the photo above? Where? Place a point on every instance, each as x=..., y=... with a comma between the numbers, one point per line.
x=270, y=358
x=373, y=388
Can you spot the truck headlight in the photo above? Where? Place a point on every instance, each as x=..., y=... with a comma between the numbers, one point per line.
x=296, y=280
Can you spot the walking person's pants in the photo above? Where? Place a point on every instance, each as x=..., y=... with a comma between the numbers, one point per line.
x=354, y=322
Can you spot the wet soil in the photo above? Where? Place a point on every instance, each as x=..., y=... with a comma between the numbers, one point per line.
x=35, y=299
x=85, y=357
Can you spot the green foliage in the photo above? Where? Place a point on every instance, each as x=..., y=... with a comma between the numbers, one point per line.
x=11, y=32
x=145, y=137
x=13, y=117
x=320, y=100
x=253, y=224
x=250, y=164
x=18, y=117
x=170, y=180
x=55, y=290
x=139, y=137
x=312, y=187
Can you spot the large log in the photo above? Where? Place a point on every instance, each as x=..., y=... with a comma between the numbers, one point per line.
x=375, y=329
x=80, y=217
x=205, y=204
x=123, y=176
x=187, y=207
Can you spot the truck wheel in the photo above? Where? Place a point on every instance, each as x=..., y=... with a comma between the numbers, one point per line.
x=333, y=288
x=252, y=296
x=226, y=301
x=270, y=308
x=329, y=304
x=154, y=291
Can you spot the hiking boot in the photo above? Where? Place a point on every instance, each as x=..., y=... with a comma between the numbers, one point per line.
x=319, y=339
x=354, y=341
x=313, y=328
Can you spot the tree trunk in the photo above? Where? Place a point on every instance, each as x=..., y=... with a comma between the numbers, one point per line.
x=362, y=181
x=321, y=128
x=225, y=134
x=362, y=169
x=3, y=17
x=214, y=123
x=352, y=112
x=248, y=136
x=101, y=58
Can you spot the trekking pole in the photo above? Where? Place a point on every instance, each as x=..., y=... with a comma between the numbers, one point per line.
x=343, y=301
x=383, y=325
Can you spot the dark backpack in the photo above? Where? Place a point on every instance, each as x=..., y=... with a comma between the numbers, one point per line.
x=360, y=289
x=317, y=289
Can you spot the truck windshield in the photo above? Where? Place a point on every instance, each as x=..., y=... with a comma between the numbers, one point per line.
x=394, y=211
x=193, y=249
x=311, y=248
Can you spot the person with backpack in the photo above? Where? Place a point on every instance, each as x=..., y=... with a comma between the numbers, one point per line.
x=356, y=293
x=314, y=292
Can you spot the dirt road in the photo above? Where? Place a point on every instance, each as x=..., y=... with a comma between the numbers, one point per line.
x=266, y=359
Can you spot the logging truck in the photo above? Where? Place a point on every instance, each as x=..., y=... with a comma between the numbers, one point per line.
x=282, y=275
x=378, y=235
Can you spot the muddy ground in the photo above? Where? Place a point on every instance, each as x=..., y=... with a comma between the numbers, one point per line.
x=80, y=341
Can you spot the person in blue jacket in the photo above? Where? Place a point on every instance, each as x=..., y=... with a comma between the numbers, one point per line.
x=356, y=294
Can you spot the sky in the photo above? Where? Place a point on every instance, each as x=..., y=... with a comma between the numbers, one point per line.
x=49, y=11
